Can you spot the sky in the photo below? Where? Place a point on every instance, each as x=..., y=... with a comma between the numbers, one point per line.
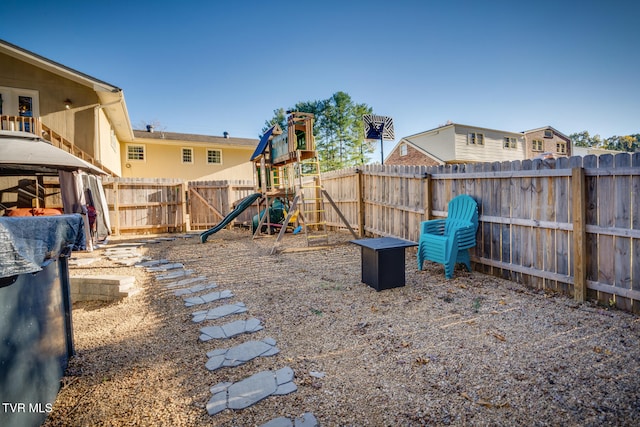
x=211, y=66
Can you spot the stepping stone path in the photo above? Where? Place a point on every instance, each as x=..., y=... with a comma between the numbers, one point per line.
x=218, y=312
x=212, y=296
x=151, y=263
x=225, y=395
x=174, y=274
x=241, y=353
x=230, y=329
x=194, y=289
x=165, y=267
x=305, y=420
x=187, y=281
x=251, y=390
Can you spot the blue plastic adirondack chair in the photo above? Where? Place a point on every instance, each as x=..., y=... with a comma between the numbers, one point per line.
x=447, y=241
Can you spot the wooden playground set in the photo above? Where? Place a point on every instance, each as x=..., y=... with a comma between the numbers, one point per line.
x=289, y=190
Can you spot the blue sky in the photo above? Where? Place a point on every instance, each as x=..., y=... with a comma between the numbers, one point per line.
x=207, y=67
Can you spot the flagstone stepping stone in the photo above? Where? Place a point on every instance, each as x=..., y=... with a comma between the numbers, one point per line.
x=165, y=267
x=128, y=262
x=174, y=274
x=152, y=263
x=186, y=281
x=305, y=420
x=125, y=245
x=251, y=390
x=230, y=329
x=122, y=255
x=218, y=312
x=82, y=261
x=236, y=356
x=120, y=251
x=212, y=296
x=194, y=289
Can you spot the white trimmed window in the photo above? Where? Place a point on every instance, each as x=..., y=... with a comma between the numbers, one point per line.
x=561, y=147
x=548, y=133
x=510, y=143
x=187, y=155
x=214, y=157
x=475, y=138
x=537, y=145
x=135, y=152
x=403, y=149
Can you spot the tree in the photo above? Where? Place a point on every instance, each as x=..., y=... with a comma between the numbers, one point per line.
x=338, y=130
x=583, y=139
x=622, y=143
x=619, y=143
x=279, y=118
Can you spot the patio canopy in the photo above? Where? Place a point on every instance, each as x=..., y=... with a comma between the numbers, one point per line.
x=21, y=151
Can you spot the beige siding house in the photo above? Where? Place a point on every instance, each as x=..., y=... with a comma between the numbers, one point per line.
x=158, y=154
x=88, y=118
x=79, y=113
x=458, y=143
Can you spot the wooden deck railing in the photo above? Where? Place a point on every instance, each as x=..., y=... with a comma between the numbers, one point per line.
x=35, y=126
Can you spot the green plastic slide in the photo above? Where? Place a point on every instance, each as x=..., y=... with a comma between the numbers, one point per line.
x=240, y=207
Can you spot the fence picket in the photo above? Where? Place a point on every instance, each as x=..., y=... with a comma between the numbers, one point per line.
x=622, y=219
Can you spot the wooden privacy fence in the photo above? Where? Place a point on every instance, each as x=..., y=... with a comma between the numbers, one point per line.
x=142, y=205
x=570, y=225
x=210, y=201
x=145, y=205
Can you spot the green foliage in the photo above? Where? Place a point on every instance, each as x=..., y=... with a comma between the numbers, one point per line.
x=621, y=143
x=338, y=130
x=279, y=118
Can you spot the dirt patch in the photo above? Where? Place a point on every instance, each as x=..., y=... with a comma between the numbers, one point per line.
x=474, y=350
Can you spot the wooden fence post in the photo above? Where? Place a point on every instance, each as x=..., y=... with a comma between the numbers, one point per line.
x=426, y=196
x=360, y=202
x=579, y=234
x=116, y=207
x=186, y=220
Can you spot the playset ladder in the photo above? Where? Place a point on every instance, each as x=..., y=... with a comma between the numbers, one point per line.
x=311, y=201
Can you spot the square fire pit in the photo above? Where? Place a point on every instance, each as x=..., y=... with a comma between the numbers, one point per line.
x=383, y=261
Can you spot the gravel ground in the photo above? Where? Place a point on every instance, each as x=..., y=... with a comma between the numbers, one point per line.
x=474, y=350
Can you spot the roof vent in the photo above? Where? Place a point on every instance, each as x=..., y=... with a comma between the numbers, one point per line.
x=150, y=128
x=226, y=134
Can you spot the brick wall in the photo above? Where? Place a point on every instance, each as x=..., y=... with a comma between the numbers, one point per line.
x=548, y=144
x=412, y=158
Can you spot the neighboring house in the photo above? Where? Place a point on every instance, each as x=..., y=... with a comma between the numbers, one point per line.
x=547, y=140
x=79, y=113
x=457, y=143
x=153, y=154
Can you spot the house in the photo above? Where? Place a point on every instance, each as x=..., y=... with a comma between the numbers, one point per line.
x=458, y=143
x=547, y=140
x=79, y=113
x=152, y=154
x=88, y=118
